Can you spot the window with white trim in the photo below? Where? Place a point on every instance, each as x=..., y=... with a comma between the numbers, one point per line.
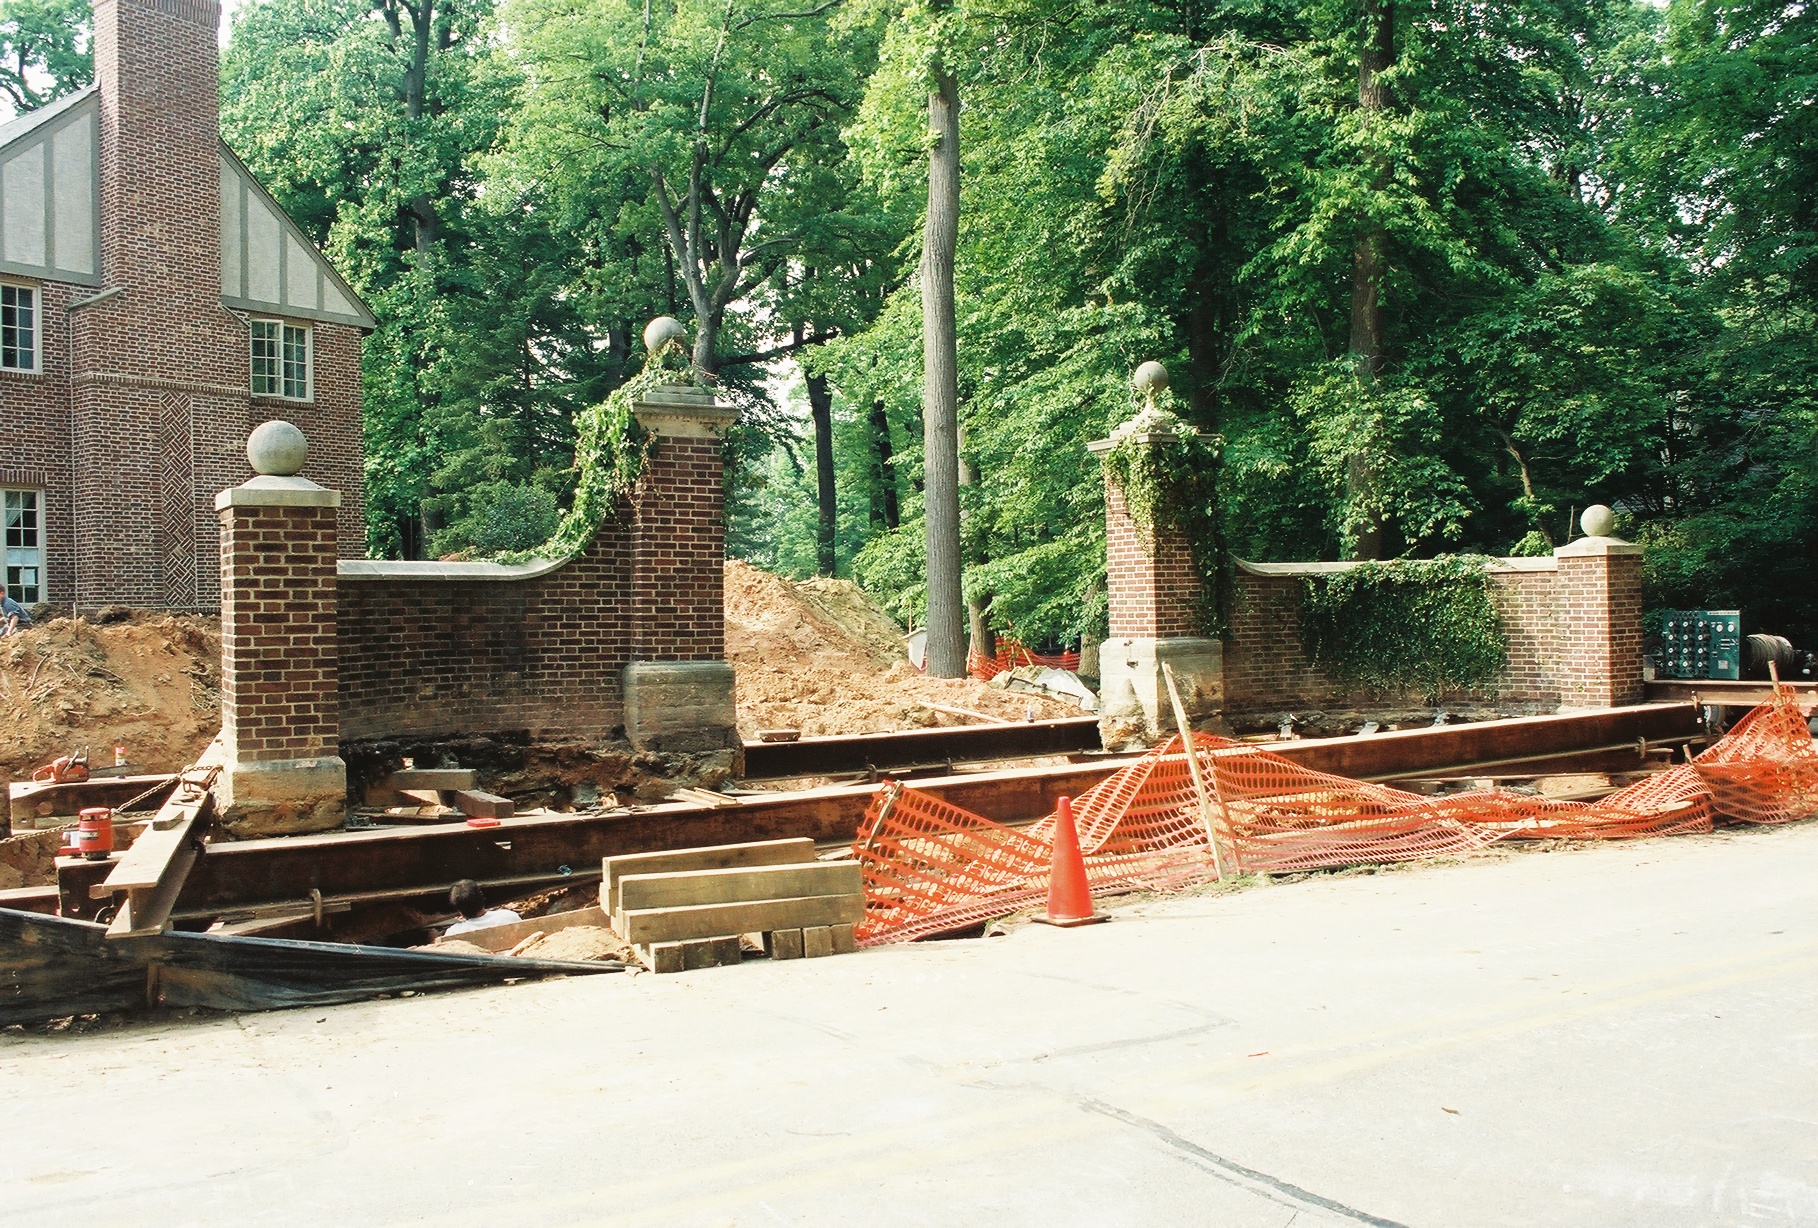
x=282, y=358
x=24, y=545
x=20, y=328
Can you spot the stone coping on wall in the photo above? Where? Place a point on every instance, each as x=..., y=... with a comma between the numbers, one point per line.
x=397, y=569
x=1531, y=563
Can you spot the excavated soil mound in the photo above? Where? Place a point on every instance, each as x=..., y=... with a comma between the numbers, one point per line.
x=819, y=657
x=147, y=683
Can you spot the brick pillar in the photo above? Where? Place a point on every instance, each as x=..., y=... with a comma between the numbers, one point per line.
x=1599, y=620
x=1153, y=590
x=679, y=685
x=280, y=712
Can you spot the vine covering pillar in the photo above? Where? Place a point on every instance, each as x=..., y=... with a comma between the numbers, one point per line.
x=1154, y=590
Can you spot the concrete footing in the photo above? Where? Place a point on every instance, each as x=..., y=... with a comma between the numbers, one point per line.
x=1134, y=694
x=684, y=706
x=284, y=797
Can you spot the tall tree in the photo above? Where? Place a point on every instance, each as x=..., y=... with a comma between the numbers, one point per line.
x=44, y=51
x=946, y=651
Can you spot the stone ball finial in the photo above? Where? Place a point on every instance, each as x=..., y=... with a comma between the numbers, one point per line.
x=661, y=331
x=1597, y=521
x=1150, y=378
x=277, y=448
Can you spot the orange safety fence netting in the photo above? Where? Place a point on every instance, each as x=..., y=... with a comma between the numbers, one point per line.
x=1012, y=655
x=930, y=867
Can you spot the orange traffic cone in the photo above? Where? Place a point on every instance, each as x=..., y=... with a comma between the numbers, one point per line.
x=1069, y=895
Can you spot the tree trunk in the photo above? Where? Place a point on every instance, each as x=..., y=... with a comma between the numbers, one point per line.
x=984, y=639
x=885, y=512
x=820, y=407
x=1368, y=325
x=940, y=386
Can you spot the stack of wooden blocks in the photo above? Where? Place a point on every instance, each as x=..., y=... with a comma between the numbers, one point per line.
x=437, y=794
x=687, y=908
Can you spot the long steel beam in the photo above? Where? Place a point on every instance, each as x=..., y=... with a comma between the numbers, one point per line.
x=1726, y=693
x=252, y=873
x=919, y=747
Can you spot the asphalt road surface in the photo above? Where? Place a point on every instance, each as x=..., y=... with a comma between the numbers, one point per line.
x=1621, y=1035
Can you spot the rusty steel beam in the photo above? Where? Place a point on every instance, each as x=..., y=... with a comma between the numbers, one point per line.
x=1724, y=693
x=919, y=747
x=259, y=873
x=28, y=800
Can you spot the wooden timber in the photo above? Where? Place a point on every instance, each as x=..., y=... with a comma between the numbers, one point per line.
x=758, y=916
x=31, y=801
x=718, y=857
x=741, y=885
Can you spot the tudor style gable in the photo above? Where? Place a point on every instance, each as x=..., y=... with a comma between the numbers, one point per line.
x=268, y=265
x=50, y=192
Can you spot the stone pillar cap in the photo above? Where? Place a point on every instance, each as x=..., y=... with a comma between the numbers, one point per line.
x=268, y=490
x=683, y=409
x=1592, y=547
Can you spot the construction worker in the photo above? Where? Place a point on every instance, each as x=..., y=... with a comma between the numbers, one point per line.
x=467, y=899
x=15, y=616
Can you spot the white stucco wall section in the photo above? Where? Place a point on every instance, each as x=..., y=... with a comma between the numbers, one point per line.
x=268, y=265
x=50, y=192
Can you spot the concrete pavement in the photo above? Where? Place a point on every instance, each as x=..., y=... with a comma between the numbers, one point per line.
x=1621, y=1035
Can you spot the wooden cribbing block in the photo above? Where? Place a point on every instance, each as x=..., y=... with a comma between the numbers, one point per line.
x=478, y=804
x=817, y=940
x=784, y=944
x=432, y=779
x=736, y=886
x=714, y=857
x=845, y=941
x=712, y=920
x=693, y=954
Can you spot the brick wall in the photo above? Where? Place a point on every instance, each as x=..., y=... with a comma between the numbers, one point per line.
x=422, y=654
x=278, y=635
x=440, y=648
x=1268, y=668
x=35, y=434
x=1152, y=585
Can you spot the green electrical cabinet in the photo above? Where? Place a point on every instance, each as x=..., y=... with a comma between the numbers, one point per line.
x=1700, y=644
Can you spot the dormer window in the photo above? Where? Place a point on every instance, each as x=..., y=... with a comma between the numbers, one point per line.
x=281, y=360
x=19, y=328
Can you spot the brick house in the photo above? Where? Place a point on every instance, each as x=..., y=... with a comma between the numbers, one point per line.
x=155, y=305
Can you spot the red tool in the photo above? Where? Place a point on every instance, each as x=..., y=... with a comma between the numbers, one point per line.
x=64, y=770
x=95, y=833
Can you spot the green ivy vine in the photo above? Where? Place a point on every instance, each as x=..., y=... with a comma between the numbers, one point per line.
x=1427, y=625
x=609, y=455
x=1173, y=482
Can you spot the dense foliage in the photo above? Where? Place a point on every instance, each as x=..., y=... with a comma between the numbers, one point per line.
x=1422, y=625
x=1437, y=274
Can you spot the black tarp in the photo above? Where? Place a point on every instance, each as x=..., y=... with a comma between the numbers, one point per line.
x=51, y=967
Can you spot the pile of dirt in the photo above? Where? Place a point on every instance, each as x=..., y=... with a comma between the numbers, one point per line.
x=818, y=656
x=580, y=944
x=147, y=682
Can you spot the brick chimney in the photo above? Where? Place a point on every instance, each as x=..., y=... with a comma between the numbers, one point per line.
x=159, y=367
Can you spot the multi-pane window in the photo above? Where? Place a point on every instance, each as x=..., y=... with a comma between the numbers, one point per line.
x=18, y=328
x=24, y=546
x=280, y=360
